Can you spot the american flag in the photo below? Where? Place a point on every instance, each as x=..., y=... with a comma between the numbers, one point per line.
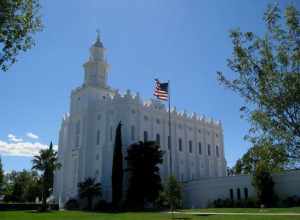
x=161, y=90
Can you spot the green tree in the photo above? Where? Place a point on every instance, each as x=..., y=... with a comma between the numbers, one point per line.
x=274, y=159
x=22, y=186
x=264, y=185
x=19, y=21
x=143, y=172
x=1, y=177
x=267, y=76
x=47, y=163
x=117, y=169
x=89, y=189
x=237, y=169
x=173, y=192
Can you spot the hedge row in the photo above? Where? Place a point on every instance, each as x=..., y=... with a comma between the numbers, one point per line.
x=23, y=206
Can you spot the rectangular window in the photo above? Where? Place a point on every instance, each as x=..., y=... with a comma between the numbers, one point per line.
x=158, y=139
x=231, y=194
x=200, y=148
x=238, y=192
x=246, y=193
x=98, y=137
x=217, y=151
x=145, y=136
x=132, y=133
x=208, y=150
x=77, y=134
x=190, y=146
x=111, y=133
x=180, y=144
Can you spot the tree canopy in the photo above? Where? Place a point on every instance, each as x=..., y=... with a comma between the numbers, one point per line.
x=23, y=186
x=267, y=76
x=89, y=189
x=143, y=173
x=272, y=159
x=19, y=21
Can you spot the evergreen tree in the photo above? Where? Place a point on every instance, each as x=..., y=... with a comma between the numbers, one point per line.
x=1, y=177
x=143, y=172
x=117, y=169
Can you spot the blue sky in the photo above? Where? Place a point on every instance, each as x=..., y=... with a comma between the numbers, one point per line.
x=183, y=41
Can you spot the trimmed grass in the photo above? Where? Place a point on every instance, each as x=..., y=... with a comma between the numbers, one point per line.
x=76, y=215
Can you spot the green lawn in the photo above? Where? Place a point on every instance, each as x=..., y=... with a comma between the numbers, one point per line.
x=72, y=215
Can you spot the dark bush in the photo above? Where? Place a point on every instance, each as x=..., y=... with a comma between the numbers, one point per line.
x=103, y=206
x=291, y=201
x=72, y=204
x=228, y=203
x=23, y=206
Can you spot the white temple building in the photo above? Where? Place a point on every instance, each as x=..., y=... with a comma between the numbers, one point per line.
x=87, y=134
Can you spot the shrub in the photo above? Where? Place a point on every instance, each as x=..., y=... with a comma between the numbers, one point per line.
x=102, y=205
x=72, y=204
x=228, y=203
x=291, y=201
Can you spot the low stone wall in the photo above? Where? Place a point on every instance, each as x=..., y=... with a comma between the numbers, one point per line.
x=200, y=193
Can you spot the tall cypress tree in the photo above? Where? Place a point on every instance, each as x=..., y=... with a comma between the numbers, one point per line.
x=117, y=169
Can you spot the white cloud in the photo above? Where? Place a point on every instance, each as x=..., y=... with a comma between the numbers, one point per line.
x=22, y=148
x=32, y=136
x=13, y=138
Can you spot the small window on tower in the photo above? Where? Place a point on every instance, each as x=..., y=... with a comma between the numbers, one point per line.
x=98, y=137
x=199, y=148
x=132, y=133
x=145, y=136
x=180, y=144
x=158, y=139
x=190, y=146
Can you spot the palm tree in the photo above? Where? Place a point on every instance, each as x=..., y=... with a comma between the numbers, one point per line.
x=89, y=189
x=46, y=162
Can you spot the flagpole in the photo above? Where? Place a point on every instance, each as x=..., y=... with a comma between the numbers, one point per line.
x=170, y=131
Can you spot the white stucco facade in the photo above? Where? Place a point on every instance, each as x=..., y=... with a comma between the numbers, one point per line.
x=87, y=133
x=201, y=193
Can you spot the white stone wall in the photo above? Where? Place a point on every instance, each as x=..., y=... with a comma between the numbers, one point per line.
x=201, y=193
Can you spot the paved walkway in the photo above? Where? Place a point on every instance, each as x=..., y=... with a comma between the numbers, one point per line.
x=239, y=213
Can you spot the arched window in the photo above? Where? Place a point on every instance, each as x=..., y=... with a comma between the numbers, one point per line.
x=180, y=144
x=158, y=139
x=98, y=137
x=199, y=148
x=145, y=136
x=132, y=133
x=190, y=146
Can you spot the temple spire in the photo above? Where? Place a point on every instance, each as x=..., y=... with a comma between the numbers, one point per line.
x=98, y=42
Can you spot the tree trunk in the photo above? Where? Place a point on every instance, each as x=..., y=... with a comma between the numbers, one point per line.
x=90, y=199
